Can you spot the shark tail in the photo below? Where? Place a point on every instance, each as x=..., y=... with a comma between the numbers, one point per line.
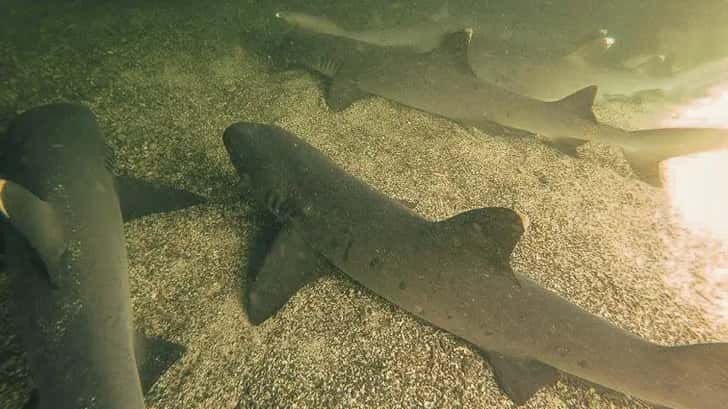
x=704, y=353
x=647, y=148
x=706, y=364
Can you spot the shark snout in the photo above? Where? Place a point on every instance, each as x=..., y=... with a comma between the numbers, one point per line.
x=239, y=138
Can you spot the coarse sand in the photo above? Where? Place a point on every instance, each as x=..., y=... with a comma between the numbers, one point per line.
x=165, y=82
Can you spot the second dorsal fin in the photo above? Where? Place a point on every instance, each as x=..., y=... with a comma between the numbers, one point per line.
x=581, y=102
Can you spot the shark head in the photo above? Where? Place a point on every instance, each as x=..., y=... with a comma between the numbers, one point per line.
x=266, y=160
x=52, y=138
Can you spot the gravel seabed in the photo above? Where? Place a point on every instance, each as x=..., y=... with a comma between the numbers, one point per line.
x=165, y=82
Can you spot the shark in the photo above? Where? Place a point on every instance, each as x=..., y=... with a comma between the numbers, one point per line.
x=62, y=210
x=494, y=37
x=421, y=37
x=454, y=274
x=442, y=82
x=547, y=78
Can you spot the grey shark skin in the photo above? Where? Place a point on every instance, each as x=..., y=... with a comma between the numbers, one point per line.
x=421, y=37
x=493, y=37
x=66, y=254
x=550, y=79
x=454, y=274
x=442, y=83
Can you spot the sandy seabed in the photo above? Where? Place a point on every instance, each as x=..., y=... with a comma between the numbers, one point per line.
x=165, y=83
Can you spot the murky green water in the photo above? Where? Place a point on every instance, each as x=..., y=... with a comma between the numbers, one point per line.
x=166, y=78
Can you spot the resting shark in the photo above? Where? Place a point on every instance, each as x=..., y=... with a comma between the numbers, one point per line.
x=442, y=82
x=421, y=37
x=454, y=274
x=493, y=37
x=552, y=78
x=62, y=211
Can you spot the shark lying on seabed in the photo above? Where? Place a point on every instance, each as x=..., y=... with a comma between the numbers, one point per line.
x=493, y=37
x=442, y=82
x=61, y=214
x=454, y=274
x=552, y=78
x=541, y=76
x=421, y=37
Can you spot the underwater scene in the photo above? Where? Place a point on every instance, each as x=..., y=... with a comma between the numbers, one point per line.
x=363, y=204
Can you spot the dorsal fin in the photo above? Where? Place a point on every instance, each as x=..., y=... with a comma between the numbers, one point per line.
x=488, y=234
x=454, y=48
x=581, y=102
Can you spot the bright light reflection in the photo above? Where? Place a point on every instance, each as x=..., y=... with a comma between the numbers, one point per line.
x=699, y=192
x=698, y=189
x=706, y=112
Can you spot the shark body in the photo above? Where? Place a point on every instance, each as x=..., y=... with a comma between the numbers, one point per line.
x=552, y=78
x=454, y=274
x=506, y=57
x=442, y=82
x=420, y=37
x=493, y=36
x=62, y=211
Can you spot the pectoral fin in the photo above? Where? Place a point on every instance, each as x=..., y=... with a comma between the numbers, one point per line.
x=38, y=222
x=521, y=378
x=567, y=146
x=154, y=356
x=139, y=198
x=289, y=264
x=343, y=92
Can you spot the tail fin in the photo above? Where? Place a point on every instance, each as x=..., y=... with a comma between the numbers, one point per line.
x=649, y=147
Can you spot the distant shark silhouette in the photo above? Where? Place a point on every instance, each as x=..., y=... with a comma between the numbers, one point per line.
x=442, y=82
x=421, y=37
x=454, y=274
x=552, y=78
x=66, y=254
x=493, y=37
